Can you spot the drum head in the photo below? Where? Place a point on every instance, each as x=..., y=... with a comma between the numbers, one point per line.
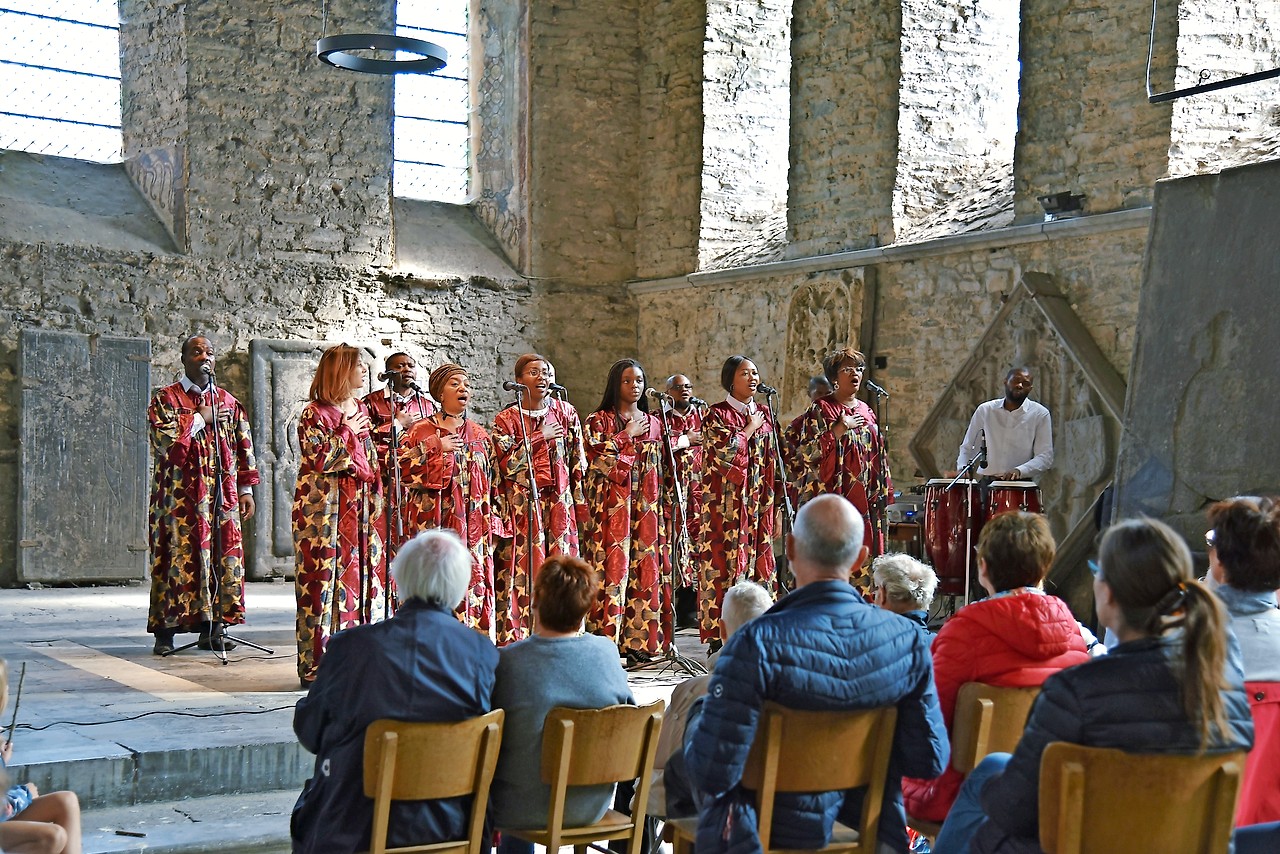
x=943, y=481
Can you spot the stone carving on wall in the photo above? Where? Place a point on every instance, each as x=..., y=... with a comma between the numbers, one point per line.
x=500, y=133
x=160, y=176
x=83, y=468
x=825, y=314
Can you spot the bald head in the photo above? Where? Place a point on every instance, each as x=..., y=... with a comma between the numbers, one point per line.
x=826, y=540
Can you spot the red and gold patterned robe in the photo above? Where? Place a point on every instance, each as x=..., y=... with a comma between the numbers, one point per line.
x=625, y=533
x=855, y=465
x=559, y=467
x=689, y=471
x=181, y=511
x=383, y=405
x=739, y=503
x=454, y=491
x=336, y=507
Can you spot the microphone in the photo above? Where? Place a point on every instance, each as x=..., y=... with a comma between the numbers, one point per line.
x=982, y=451
x=657, y=395
x=557, y=387
x=416, y=387
x=207, y=369
x=875, y=388
x=387, y=375
x=766, y=389
x=512, y=386
x=697, y=401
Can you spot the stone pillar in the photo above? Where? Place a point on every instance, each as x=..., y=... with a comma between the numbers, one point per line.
x=250, y=147
x=1084, y=124
x=584, y=107
x=845, y=67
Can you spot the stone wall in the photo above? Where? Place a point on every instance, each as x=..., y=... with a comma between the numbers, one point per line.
x=1218, y=40
x=844, y=124
x=959, y=103
x=746, y=102
x=1084, y=124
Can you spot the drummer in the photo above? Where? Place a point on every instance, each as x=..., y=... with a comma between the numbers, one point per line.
x=1017, y=432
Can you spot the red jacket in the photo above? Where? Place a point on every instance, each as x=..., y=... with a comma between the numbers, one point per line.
x=1014, y=640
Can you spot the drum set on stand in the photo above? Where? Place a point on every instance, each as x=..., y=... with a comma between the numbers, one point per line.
x=954, y=511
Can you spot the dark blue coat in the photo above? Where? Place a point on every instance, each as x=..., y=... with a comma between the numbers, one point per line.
x=822, y=647
x=1129, y=699
x=421, y=665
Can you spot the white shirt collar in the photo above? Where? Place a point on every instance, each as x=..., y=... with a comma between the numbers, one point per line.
x=190, y=386
x=748, y=408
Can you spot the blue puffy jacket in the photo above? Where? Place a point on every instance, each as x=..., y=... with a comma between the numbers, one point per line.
x=822, y=647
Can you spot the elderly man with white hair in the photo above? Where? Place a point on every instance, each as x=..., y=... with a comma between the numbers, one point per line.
x=822, y=648
x=420, y=665
x=904, y=586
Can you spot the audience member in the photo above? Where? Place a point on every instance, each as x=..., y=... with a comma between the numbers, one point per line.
x=555, y=666
x=420, y=665
x=32, y=823
x=1015, y=638
x=670, y=795
x=905, y=586
x=823, y=647
x=1244, y=570
x=1171, y=685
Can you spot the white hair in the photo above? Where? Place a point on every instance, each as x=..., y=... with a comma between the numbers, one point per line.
x=435, y=567
x=828, y=531
x=905, y=579
x=743, y=602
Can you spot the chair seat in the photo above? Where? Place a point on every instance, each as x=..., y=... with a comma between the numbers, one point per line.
x=614, y=825
x=924, y=827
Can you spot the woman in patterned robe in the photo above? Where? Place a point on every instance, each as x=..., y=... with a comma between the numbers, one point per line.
x=446, y=466
x=555, y=439
x=340, y=576
x=836, y=446
x=625, y=535
x=739, y=494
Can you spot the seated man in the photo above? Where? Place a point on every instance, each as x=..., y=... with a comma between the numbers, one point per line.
x=821, y=648
x=420, y=665
x=904, y=586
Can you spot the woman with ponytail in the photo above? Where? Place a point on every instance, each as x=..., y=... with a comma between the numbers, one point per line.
x=1171, y=685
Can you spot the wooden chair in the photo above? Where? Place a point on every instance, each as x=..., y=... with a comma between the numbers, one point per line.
x=803, y=751
x=1102, y=800
x=590, y=747
x=988, y=719
x=419, y=761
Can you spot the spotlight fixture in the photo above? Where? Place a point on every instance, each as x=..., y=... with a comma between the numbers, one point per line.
x=1062, y=205
x=340, y=52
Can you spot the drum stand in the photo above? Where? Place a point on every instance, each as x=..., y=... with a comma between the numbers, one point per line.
x=968, y=527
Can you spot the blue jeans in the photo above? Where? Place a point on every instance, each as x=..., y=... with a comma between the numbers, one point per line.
x=966, y=813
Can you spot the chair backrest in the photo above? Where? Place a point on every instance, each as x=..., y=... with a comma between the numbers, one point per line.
x=406, y=761
x=806, y=751
x=590, y=747
x=1103, y=800
x=988, y=719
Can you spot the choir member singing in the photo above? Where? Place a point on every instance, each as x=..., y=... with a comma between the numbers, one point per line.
x=187, y=594
x=625, y=535
x=340, y=576
x=543, y=521
x=739, y=494
x=446, y=463
x=393, y=409
x=684, y=422
x=836, y=446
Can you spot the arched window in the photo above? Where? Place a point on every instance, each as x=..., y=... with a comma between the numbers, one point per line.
x=432, y=142
x=60, y=78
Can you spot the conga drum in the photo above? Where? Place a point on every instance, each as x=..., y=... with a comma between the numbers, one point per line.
x=1009, y=495
x=944, y=530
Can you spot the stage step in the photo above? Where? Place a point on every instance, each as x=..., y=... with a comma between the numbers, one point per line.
x=257, y=823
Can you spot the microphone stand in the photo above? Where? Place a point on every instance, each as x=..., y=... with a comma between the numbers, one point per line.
x=215, y=547
x=968, y=525
x=535, y=505
x=395, y=494
x=882, y=424
x=671, y=657
x=789, y=518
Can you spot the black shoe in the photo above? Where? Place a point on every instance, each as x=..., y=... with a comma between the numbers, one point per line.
x=637, y=656
x=164, y=645
x=714, y=646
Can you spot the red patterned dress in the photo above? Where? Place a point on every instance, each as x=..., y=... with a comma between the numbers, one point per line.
x=559, y=466
x=625, y=533
x=454, y=491
x=855, y=465
x=383, y=405
x=336, y=542
x=688, y=456
x=739, y=504
x=181, y=510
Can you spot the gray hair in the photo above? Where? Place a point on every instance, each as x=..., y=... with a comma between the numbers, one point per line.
x=743, y=602
x=435, y=567
x=905, y=579
x=828, y=532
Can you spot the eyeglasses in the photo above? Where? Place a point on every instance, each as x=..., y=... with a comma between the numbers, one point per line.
x=1208, y=538
x=1095, y=569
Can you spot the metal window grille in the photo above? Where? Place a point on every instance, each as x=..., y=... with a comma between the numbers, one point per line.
x=60, y=73
x=431, y=140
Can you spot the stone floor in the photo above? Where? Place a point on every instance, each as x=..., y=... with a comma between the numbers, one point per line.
x=196, y=754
